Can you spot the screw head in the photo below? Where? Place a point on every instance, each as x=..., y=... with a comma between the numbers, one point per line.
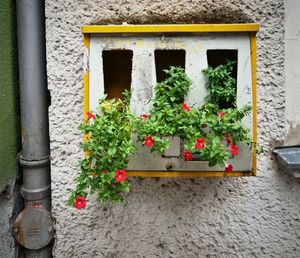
x=16, y=230
x=170, y=166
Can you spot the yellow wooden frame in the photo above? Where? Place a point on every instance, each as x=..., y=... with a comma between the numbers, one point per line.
x=251, y=28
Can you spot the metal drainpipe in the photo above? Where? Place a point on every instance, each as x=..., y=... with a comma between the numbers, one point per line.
x=33, y=227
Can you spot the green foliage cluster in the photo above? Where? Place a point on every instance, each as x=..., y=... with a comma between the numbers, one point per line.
x=107, y=150
x=221, y=84
x=168, y=118
x=110, y=133
x=216, y=130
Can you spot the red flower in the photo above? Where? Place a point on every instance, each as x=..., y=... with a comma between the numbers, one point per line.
x=120, y=175
x=149, y=141
x=80, y=202
x=233, y=149
x=229, y=168
x=188, y=155
x=145, y=116
x=221, y=114
x=90, y=115
x=185, y=107
x=200, y=143
x=203, y=126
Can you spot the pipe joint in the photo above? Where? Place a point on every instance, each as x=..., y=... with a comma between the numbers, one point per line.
x=34, y=165
x=36, y=194
x=42, y=162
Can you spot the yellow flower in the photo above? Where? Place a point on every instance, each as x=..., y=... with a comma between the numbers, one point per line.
x=105, y=105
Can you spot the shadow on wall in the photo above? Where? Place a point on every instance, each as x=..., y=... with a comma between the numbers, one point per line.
x=188, y=192
x=209, y=15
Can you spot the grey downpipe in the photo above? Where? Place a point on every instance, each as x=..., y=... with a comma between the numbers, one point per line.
x=33, y=227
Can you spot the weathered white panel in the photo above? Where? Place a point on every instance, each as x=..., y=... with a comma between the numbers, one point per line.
x=244, y=79
x=143, y=69
x=145, y=160
x=144, y=79
x=196, y=61
x=96, y=90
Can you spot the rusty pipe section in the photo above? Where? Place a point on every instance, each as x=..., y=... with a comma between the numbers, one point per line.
x=33, y=228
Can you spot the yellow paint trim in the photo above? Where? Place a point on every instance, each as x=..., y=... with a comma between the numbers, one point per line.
x=86, y=79
x=86, y=75
x=171, y=28
x=186, y=174
x=254, y=98
x=253, y=28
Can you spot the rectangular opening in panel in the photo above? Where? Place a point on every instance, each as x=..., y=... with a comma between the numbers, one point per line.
x=216, y=57
x=166, y=58
x=117, y=68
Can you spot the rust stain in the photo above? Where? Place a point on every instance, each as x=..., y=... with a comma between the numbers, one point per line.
x=36, y=204
x=18, y=232
x=24, y=136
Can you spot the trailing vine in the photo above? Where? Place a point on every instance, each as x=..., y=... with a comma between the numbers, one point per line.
x=209, y=132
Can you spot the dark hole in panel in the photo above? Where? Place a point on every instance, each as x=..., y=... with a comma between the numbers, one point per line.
x=217, y=57
x=166, y=58
x=117, y=68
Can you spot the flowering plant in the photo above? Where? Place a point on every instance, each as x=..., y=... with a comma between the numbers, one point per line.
x=106, y=152
x=210, y=132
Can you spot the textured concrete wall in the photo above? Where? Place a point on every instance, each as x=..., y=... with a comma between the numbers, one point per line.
x=189, y=218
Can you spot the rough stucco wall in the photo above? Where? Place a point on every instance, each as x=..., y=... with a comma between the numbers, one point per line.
x=216, y=217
